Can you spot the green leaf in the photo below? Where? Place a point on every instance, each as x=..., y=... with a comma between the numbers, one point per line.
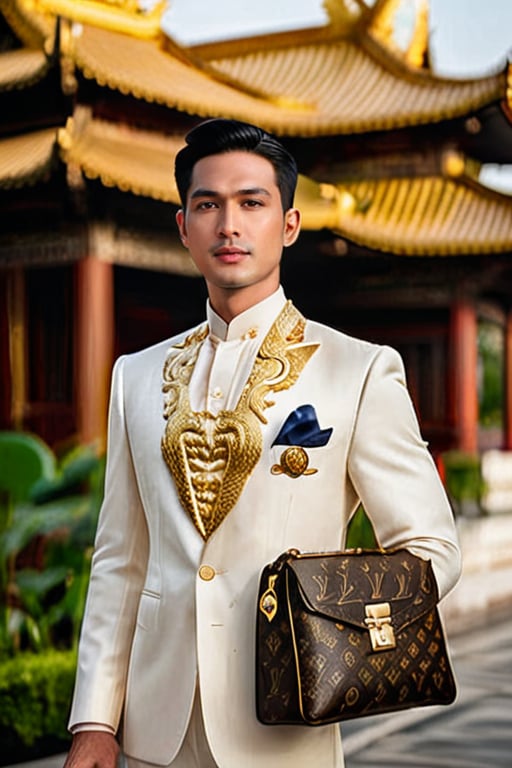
x=30, y=521
x=76, y=469
x=24, y=459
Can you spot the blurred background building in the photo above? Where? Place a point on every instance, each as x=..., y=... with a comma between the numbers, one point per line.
x=403, y=242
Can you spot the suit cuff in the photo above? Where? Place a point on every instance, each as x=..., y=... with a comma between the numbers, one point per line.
x=79, y=727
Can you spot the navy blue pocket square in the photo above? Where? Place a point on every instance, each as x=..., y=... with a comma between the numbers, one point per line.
x=302, y=428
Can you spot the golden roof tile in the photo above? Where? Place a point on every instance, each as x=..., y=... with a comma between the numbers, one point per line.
x=26, y=159
x=334, y=88
x=22, y=67
x=353, y=92
x=114, y=61
x=429, y=216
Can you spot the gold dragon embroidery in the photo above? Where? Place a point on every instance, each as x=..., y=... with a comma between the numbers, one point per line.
x=211, y=457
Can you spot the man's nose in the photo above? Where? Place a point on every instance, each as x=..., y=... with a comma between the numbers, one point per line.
x=228, y=222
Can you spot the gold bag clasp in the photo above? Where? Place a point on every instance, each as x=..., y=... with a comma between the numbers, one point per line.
x=378, y=621
x=268, y=600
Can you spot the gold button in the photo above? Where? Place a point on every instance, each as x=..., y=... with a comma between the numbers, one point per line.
x=206, y=572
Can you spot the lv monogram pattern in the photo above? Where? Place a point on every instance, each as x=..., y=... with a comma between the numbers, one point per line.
x=315, y=659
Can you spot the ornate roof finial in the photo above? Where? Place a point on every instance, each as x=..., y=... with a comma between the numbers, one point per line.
x=403, y=27
x=343, y=13
x=418, y=51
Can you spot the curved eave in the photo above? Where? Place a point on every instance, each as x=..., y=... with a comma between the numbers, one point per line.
x=310, y=90
x=27, y=159
x=432, y=216
x=133, y=161
x=22, y=68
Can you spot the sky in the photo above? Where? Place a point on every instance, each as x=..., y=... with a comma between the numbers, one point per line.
x=468, y=37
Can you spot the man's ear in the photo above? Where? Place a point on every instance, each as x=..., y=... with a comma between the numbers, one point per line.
x=180, y=221
x=291, y=226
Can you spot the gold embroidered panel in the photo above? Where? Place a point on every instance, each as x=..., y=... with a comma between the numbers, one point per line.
x=211, y=457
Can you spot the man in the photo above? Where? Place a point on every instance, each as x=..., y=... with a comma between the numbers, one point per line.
x=202, y=492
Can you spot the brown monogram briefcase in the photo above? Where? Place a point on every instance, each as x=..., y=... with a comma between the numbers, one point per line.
x=348, y=634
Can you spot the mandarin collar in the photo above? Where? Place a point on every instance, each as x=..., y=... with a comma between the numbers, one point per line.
x=249, y=324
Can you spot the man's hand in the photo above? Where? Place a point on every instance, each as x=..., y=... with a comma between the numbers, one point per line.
x=93, y=749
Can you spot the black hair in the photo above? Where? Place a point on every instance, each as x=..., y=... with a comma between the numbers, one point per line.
x=214, y=137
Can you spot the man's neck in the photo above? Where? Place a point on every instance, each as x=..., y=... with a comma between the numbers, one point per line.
x=229, y=304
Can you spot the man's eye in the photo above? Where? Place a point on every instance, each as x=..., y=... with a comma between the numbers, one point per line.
x=252, y=203
x=205, y=205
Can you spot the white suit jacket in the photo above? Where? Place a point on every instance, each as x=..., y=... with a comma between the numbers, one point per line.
x=153, y=628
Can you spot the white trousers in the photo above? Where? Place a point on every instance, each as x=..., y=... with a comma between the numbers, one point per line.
x=194, y=752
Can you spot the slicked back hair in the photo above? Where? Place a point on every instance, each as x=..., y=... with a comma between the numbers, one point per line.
x=214, y=137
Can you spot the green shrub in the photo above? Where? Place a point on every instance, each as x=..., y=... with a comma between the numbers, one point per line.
x=48, y=512
x=47, y=523
x=35, y=696
x=463, y=478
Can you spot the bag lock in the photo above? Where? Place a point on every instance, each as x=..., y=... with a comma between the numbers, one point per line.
x=378, y=621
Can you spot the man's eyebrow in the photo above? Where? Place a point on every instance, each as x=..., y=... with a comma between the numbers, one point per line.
x=204, y=193
x=241, y=192
x=254, y=191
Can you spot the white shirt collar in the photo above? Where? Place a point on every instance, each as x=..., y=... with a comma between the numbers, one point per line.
x=255, y=321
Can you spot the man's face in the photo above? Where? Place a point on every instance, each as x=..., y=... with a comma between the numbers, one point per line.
x=234, y=226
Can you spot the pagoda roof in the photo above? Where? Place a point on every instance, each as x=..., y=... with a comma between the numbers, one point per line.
x=342, y=78
x=445, y=214
x=307, y=89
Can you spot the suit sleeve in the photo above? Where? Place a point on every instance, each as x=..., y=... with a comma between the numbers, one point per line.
x=117, y=575
x=395, y=476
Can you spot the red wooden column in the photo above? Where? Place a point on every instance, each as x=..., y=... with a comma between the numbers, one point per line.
x=465, y=386
x=507, y=426
x=95, y=347
x=15, y=348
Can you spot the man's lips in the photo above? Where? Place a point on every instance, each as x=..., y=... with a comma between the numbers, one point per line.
x=229, y=254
